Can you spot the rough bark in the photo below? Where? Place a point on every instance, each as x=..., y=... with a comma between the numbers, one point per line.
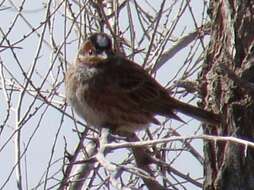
x=227, y=86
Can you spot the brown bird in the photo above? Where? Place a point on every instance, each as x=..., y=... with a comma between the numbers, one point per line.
x=110, y=91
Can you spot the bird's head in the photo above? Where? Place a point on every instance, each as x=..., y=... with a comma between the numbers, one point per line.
x=96, y=48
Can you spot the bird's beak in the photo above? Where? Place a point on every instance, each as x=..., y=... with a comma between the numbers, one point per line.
x=93, y=59
x=102, y=55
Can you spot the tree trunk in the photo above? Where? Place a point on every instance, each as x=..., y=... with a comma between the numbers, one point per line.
x=227, y=86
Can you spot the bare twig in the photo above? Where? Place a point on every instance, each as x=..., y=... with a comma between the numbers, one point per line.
x=166, y=140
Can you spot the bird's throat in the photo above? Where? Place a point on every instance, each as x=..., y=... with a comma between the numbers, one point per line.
x=90, y=61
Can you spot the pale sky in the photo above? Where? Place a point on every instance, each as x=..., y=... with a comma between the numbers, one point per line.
x=40, y=147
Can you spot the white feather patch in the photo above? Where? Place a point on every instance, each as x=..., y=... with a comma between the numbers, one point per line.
x=102, y=41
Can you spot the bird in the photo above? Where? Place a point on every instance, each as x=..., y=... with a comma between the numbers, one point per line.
x=108, y=90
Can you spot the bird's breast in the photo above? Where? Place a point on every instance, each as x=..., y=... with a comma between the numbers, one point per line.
x=78, y=93
x=85, y=74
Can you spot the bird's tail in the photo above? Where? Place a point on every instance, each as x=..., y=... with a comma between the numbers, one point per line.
x=198, y=113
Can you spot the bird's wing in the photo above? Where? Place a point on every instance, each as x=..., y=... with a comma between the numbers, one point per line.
x=129, y=79
x=129, y=82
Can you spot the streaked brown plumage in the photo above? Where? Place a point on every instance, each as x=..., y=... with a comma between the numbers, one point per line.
x=108, y=90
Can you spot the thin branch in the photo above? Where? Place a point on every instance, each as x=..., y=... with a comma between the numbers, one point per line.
x=166, y=140
x=142, y=158
x=75, y=177
x=182, y=43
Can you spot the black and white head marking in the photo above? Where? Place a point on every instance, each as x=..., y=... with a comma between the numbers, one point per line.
x=101, y=41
